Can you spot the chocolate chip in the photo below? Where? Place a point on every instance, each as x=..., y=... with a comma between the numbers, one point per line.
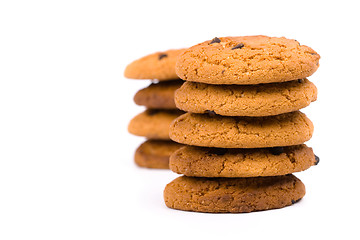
x=215, y=40
x=317, y=160
x=240, y=46
x=218, y=151
x=295, y=201
x=276, y=150
x=152, y=112
x=300, y=80
x=313, y=53
x=297, y=42
x=211, y=113
x=162, y=55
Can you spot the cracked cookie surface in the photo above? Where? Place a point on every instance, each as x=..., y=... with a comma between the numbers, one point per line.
x=233, y=195
x=155, y=153
x=240, y=162
x=159, y=66
x=241, y=132
x=153, y=123
x=158, y=95
x=247, y=60
x=246, y=100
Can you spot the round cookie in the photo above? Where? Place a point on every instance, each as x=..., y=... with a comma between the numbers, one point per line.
x=247, y=60
x=246, y=100
x=240, y=162
x=210, y=130
x=153, y=123
x=159, y=65
x=158, y=95
x=233, y=195
x=155, y=153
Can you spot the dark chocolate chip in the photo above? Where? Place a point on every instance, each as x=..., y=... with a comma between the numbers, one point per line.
x=300, y=80
x=276, y=150
x=313, y=53
x=215, y=40
x=317, y=160
x=239, y=46
x=152, y=112
x=218, y=151
x=211, y=113
x=295, y=201
x=162, y=55
x=297, y=42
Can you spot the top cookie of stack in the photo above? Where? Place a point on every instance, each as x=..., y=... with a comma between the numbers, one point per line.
x=247, y=60
x=157, y=66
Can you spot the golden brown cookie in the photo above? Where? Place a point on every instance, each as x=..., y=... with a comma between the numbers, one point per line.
x=159, y=65
x=155, y=153
x=246, y=100
x=241, y=132
x=247, y=60
x=158, y=95
x=153, y=123
x=233, y=195
x=240, y=162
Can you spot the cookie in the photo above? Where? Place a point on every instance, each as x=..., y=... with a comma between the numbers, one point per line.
x=240, y=162
x=210, y=130
x=155, y=153
x=159, y=65
x=158, y=95
x=153, y=123
x=246, y=100
x=247, y=60
x=233, y=195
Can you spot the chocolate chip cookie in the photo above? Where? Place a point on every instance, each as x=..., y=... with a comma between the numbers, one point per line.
x=247, y=60
x=246, y=100
x=233, y=195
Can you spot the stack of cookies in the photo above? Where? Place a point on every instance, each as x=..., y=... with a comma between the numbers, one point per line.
x=158, y=98
x=244, y=134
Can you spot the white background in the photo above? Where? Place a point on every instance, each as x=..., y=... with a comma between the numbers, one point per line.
x=66, y=159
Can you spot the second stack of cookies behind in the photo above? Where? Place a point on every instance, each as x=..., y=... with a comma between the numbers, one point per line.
x=158, y=98
x=244, y=132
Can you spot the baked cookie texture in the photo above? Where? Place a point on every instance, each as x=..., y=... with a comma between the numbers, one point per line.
x=241, y=132
x=158, y=95
x=159, y=65
x=247, y=60
x=246, y=100
x=233, y=195
x=153, y=123
x=155, y=153
x=238, y=162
